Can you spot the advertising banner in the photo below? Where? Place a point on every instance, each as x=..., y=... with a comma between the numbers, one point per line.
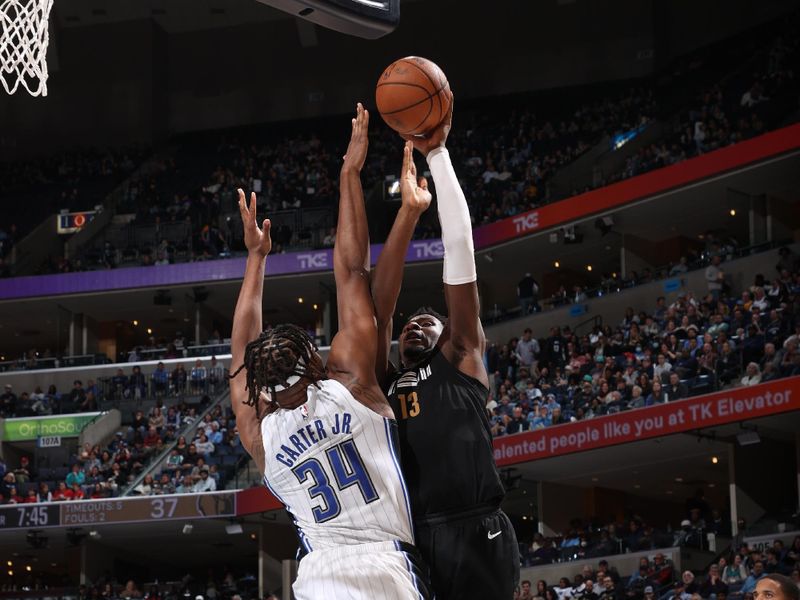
x=18, y=430
x=728, y=406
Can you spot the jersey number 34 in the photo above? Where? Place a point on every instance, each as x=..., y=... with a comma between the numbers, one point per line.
x=348, y=470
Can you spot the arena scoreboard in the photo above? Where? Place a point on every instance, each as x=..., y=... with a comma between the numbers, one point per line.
x=118, y=510
x=368, y=19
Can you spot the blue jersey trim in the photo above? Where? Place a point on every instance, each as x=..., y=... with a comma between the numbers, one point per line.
x=414, y=578
x=395, y=459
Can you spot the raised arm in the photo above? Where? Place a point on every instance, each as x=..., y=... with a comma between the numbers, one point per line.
x=462, y=342
x=247, y=325
x=388, y=275
x=352, y=356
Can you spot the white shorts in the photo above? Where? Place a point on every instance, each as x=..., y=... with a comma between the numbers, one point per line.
x=375, y=571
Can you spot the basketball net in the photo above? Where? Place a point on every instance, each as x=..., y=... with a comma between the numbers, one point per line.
x=24, y=37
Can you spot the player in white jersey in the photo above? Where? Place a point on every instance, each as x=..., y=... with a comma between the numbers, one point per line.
x=324, y=435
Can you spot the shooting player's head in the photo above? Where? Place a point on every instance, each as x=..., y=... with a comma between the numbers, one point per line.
x=420, y=335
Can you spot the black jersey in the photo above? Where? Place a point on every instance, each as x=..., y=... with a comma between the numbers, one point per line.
x=445, y=441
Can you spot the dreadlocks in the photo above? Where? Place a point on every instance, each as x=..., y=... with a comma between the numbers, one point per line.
x=274, y=357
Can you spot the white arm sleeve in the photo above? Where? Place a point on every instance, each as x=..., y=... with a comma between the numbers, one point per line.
x=459, y=251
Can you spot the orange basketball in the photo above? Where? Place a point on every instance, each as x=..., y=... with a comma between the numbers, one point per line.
x=413, y=95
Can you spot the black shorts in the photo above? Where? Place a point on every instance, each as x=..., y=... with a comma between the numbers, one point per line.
x=473, y=554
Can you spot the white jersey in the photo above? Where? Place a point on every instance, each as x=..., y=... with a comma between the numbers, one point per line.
x=334, y=463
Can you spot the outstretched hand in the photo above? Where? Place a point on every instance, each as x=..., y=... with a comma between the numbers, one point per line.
x=435, y=138
x=257, y=240
x=357, y=149
x=414, y=197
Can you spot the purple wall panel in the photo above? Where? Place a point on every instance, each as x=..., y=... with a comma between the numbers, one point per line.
x=189, y=273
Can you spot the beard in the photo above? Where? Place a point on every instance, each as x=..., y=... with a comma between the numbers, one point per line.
x=412, y=354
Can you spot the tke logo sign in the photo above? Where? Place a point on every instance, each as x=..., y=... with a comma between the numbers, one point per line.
x=314, y=260
x=527, y=222
x=428, y=250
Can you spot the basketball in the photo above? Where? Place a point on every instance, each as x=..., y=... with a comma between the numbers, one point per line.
x=413, y=95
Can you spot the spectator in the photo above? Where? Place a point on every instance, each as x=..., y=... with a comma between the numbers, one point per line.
x=528, y=294
x=216, y=375
x=662, y=368
x=525, y=591
x=755, y=575
x=130, y=591
x=715, y=277
x=160, y=378
x=174, y=461
x=119, y=384
x=62, y=492
x=156, y=419
x=203, y=445
x=77, y=395
x=151, y=439
x=146, y=487
x=609, y=590
x=713, y=584
x=736, y=572
x=527, y=349
x=75, y=476
x=44, y=494
x=137, y=384
x=215, y=436
x=13, y=496
x=186, y=486
x=77, y=492
x=165, y=485
x=205, y=484
x=8, y=402
x=752, y=375
x=22, y=474
x=40, y=405
x=198, y=377
x=676, y=390
x=179, y=378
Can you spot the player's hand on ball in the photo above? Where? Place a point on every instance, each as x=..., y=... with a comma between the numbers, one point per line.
x=435, y=138
x=257, y=240
x=357, y=149
x=414, y=197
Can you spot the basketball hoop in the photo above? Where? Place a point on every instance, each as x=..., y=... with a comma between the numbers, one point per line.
x=24, y=37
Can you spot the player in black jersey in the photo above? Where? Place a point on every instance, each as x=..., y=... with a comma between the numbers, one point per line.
x=439, y=395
